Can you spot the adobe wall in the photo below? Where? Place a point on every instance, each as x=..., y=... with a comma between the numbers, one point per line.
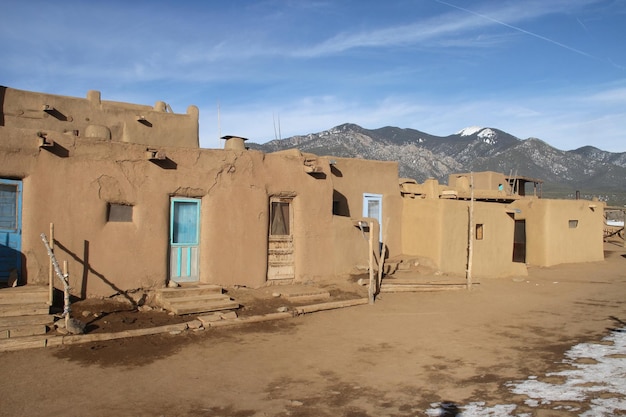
x=438, y=229
x=485, y=180
x=351, y=178
x=92, y=117
x=312, y=211
x=72, y=183
x=550, y=240
x=72, y=191
x=422, y=228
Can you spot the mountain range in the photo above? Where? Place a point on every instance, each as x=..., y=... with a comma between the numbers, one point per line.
x=593, y=172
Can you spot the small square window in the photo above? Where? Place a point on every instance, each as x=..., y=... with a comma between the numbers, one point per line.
x=119, y=213
x=479, y=231
x=573, y=224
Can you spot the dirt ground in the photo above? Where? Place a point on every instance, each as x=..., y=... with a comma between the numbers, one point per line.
x=399, y=357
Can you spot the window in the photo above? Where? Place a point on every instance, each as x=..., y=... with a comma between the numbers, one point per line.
x=119, y=213
x=573, y=224
x=279, y=218
x=479, y=232
x=8, y=206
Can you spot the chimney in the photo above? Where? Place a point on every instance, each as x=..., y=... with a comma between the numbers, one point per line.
x=234, y=143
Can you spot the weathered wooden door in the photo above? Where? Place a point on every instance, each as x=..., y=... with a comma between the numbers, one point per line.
x=280, y=262
x=184, y=238
x=10, y=229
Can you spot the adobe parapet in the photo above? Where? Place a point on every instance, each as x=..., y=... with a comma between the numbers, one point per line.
x=91, y=117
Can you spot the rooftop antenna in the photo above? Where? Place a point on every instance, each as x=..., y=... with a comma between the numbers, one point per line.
x=219, y=126
x=274, y=118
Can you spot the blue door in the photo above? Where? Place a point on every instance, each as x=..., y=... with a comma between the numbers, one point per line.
x=184, y=238
x=10, y=229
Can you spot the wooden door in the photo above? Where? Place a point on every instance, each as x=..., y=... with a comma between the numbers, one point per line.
x=280, y=262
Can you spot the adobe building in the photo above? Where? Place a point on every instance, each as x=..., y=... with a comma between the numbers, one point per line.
x=511, y=226
x=137, y=204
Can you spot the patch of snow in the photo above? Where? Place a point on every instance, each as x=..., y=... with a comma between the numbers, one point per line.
x=600, y=383
x=468, y=131
x=488, y=136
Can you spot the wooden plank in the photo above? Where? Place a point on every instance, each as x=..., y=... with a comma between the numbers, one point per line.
x=24, y=310
x=14, y=321
x=22, y=331
x=96, y=337
x=331, y=306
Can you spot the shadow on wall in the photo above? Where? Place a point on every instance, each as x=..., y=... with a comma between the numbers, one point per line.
x=87, y=269
x=2, y=92
x=340, y=204
x=12, y=271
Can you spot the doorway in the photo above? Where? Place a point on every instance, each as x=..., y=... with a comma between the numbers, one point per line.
x=373, y=207
x=10, y=229
x=184, y=239
x=280, y=260
x=519, y=241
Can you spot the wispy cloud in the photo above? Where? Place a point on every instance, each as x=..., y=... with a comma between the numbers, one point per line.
x=437, y=30
x=510, y=26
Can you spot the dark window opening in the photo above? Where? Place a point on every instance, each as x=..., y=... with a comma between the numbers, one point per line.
x=119, y=213
x=479, y=232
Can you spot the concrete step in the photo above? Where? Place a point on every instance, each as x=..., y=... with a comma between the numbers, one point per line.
x=204, y=306
x=387, y=288
x=201, y=298
x=188, y=290
x=301, y=294
x=192, y=299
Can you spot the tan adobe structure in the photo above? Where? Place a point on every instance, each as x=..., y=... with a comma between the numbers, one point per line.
x=136, y=203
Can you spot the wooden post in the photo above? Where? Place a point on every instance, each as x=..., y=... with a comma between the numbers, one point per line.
x=381, y=258
x=66, y=294
x=624, y=228
x=470, y=247
x=372, y=287
x=51, y=270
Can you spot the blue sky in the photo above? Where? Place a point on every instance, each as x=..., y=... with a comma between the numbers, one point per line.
x=552, y=69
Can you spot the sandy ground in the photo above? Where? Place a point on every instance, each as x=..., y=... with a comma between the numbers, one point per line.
x=403, y=356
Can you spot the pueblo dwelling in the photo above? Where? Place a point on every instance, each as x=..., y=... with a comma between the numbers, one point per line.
x=133, y=203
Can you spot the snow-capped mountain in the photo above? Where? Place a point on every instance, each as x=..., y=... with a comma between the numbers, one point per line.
x=421, y=155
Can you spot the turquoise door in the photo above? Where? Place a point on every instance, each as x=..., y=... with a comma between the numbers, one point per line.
x=184, y=238
x=10, y=229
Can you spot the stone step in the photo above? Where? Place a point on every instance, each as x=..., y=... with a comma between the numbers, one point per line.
x=204, y=306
